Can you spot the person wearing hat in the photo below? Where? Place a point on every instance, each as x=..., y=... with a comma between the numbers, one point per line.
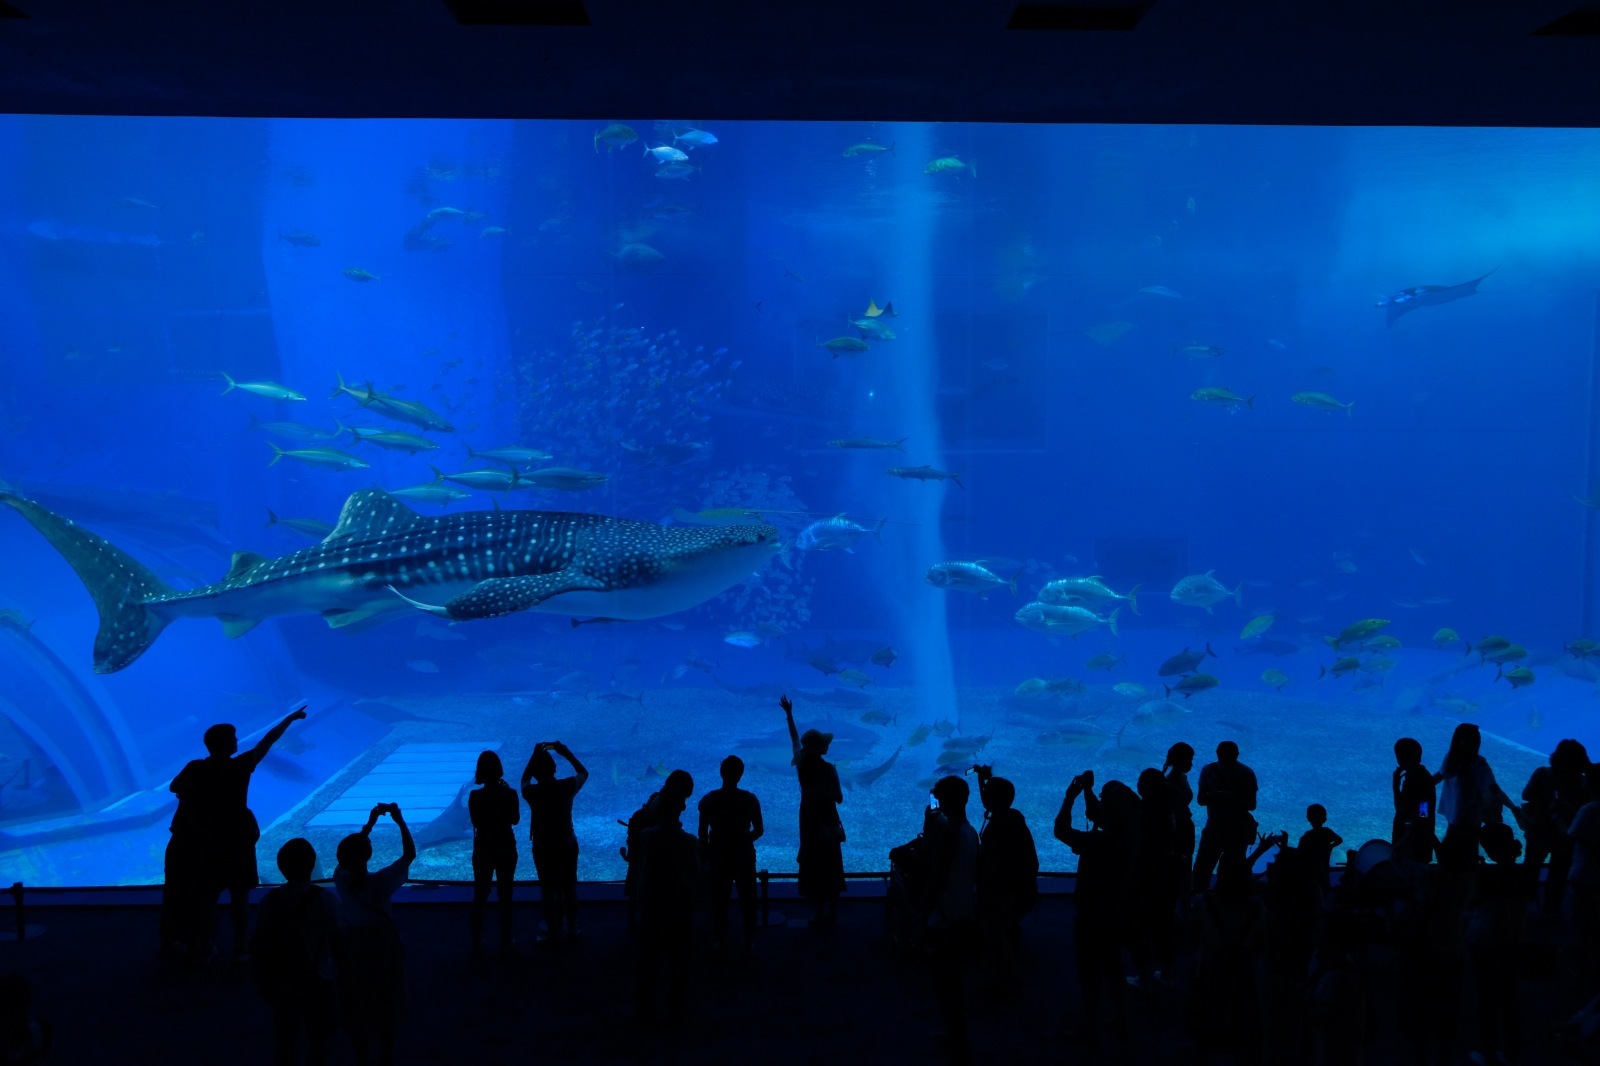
x=821, y=857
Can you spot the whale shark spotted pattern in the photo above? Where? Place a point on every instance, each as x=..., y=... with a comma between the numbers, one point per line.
x=384, y=558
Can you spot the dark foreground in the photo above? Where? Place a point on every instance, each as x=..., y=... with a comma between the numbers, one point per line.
x=848, y=997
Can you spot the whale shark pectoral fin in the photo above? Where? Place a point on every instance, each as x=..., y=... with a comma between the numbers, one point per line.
x=367, y=614
x=234, y=625
x=506, y=595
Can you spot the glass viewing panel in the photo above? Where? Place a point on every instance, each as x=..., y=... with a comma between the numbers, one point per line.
x=868, y=398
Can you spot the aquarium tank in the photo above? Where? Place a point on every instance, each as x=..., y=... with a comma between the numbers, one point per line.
x=1037, y=447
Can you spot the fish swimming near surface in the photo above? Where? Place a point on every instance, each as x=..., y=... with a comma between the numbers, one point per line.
x=614, y=136
x=382, y=556
x=1426, y=296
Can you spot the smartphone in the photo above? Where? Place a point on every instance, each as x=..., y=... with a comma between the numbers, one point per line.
x=933, y=802
x=1422, y=809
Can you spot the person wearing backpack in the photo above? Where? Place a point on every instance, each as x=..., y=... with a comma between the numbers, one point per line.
x=292, y=951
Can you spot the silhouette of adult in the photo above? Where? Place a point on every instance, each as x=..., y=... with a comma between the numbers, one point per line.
x=1100, y=897
x=494, y=809
x=669, y=867
x=555, y=843
x=730, y=825
x=1416, y=804
x=953, y=919
x=1584, y=876
x=1152, y=931
x=293, y=948
x=678, y=786
x=213, y=845
x=1228, y=793
x=821, y=857
x=372, y=962
x=1468, y=797
x=1551, y=800
x=1008, y=878
x=1223, y=1010
x=1180, y=760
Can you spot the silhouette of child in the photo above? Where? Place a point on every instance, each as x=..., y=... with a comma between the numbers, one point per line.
x=293, y=948
x=821, y=857
x=494, y=809
x=1317, y=843
x=371, y=966
x=1415, y=804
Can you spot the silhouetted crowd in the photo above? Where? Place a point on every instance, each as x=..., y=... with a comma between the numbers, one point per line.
x=1250, y=932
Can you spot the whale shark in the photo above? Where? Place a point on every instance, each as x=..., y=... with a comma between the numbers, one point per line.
x=383, y=558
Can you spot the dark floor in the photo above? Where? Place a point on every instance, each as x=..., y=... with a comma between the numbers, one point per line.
x=844, y=998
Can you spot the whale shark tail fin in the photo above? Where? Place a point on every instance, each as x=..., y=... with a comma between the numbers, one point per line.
x=120, y=585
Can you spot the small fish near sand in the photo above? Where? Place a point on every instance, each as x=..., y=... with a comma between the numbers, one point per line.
x=1185, y=662
x=1191, y=684
x=924, y=473
x=1276, y=678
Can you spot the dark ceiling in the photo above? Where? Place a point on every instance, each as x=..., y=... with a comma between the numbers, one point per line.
x=1440, y=62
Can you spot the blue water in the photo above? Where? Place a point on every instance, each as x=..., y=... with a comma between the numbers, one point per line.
x=667, y=333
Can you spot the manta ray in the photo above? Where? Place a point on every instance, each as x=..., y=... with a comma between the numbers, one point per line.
x=1427, y=296
x=384, y=558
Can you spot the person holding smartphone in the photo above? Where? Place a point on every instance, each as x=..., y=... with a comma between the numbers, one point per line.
x=372, y=960
x=555, y=842
x=1414, y=803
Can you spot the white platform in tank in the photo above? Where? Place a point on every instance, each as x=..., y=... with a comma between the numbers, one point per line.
x=423, y=778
